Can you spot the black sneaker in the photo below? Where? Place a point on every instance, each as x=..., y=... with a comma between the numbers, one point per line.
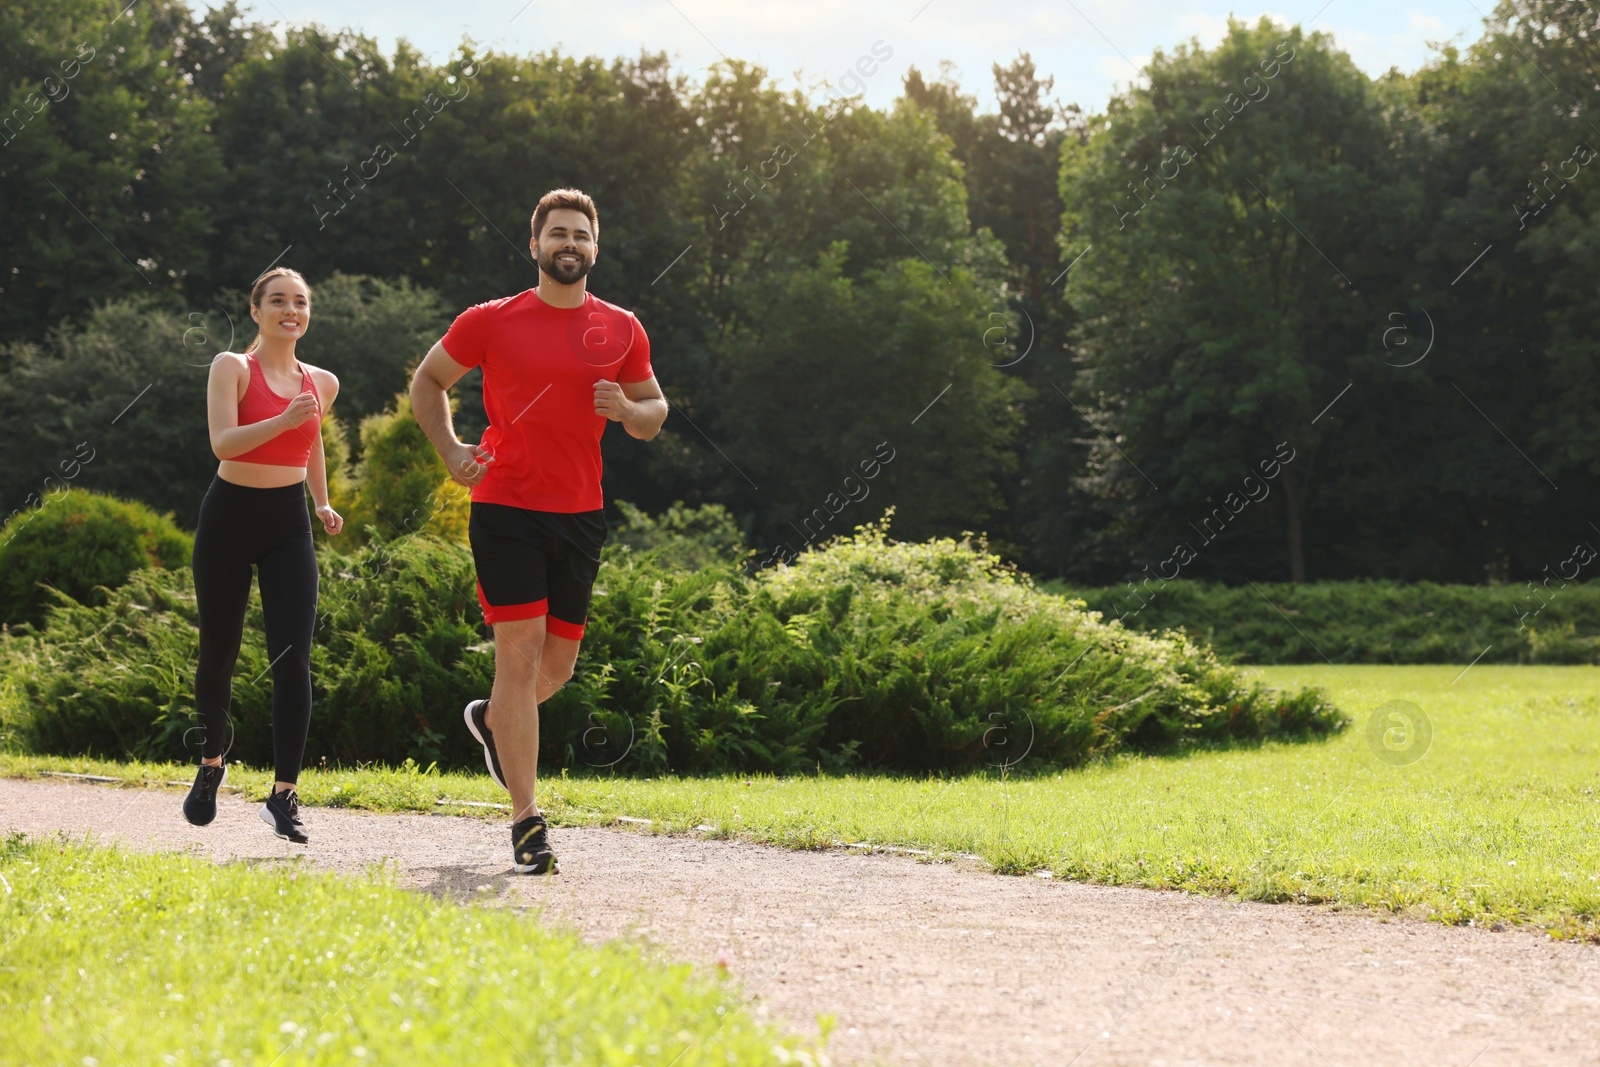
x=282, y=813
x=530, y=847
x=200, y=806
x=477, y=716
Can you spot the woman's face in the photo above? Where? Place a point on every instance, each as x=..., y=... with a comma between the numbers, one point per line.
x=285, y=309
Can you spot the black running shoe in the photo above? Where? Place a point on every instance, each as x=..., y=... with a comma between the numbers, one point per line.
x=200, y=806
x=530, y=847
x=282, y=813
x=477, y=716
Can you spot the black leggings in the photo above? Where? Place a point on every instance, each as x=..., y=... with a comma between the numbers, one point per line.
x=270, y=528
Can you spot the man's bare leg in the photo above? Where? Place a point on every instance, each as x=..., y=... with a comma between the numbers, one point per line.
x=523, y=650
x=556, y=661
x=513, y=715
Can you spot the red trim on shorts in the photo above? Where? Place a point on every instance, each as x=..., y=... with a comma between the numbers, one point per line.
x=493, y=613
x=572, y=631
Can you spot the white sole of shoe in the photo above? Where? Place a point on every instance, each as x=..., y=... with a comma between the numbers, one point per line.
x=472, y=727
x=272, y=824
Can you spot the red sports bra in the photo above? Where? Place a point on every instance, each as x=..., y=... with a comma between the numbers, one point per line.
x=292, y=447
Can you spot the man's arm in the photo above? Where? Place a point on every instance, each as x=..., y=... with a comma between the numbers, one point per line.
x=430, y=406
x=639, y=406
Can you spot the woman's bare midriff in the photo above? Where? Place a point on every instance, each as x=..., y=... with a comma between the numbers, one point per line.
x=259, y=475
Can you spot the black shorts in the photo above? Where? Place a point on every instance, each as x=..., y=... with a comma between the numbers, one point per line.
x=533, y=563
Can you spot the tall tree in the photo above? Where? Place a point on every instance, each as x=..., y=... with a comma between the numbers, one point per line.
x=790, y=179
x=108, y=174
x=1506, y=269
x=845, y=391
x=1246, y=213
x=1010, y=161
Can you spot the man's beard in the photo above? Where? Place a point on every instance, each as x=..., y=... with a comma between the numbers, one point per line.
x=564, y=273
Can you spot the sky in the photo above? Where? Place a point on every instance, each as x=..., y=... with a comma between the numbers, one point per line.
x=1092, y=48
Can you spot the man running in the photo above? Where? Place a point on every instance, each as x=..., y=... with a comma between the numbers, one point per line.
x=557, y=363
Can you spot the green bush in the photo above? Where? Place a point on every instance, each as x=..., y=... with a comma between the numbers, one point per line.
x=78, y=543
x=867, y=653
x=398, y=650
x=681, y=537
x=401, y=485
x=940, y=657
x=1368, y=621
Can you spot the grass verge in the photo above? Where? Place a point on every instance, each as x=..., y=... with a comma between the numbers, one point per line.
x=111, y=957
x=1497, y=822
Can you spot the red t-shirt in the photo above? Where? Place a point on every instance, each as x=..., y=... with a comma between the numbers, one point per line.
x=540, y=365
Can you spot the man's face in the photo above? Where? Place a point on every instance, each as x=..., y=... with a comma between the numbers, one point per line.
x=565, y=248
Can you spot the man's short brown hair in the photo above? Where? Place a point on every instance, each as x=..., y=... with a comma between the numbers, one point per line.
x=576, y=199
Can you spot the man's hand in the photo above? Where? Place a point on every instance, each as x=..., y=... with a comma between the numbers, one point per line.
x=610, y=401
x=468, y=464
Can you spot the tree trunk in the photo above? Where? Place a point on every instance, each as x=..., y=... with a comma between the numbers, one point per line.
x=1294, y=501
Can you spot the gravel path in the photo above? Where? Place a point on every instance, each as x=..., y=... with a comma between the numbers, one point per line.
x=933, y=964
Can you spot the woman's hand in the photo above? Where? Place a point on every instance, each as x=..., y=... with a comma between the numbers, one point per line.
x=300, y=409
x=332, y=521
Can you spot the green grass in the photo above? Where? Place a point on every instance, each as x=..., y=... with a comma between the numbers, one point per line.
x=116, y=958
x=1498, y=822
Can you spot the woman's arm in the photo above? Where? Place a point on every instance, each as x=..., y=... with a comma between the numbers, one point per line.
x=228, y=438
x=317, y=465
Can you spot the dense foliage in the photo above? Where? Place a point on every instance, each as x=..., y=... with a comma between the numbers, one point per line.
x=394, y=652
x=401, y=486
x=681, y=538
x=867, y=653
x=1368, y=622
x=1392, y=276
x=80, y=543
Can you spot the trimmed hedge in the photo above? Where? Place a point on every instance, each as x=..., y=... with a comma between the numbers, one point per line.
x=868, y=653
x=80, y=543
x=1366, y=621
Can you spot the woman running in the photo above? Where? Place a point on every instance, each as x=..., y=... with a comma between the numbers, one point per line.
x=265, y=410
